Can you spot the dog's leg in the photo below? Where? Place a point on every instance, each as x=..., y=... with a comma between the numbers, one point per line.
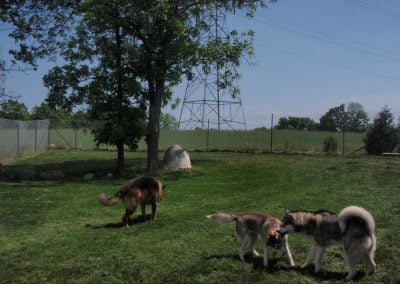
x=287, y=250
x=126, y=217
x=253, y=240
x=241, y=248
x=265, y=261
x=351, y=266
x=319, y=251
x=154, y=210
x=143, y=212
x=310, y=257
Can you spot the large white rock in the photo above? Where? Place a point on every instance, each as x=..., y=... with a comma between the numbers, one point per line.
x=177, y=158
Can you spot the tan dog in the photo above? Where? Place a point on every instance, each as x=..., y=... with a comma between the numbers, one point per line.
x=249, y=226
x=143, y=191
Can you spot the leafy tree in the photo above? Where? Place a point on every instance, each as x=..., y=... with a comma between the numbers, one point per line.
x=357, y=118
x=119, y=52
x=334, y=119
x=299, y=123
x=381, y=136
x=44, y=111
x=168, y=121
x=12, y=109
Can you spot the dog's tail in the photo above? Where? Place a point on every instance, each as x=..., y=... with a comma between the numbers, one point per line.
x=222, y=218
x=107, y=202
x=357, y=217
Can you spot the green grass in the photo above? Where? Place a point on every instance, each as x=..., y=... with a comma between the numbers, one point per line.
x=283, y=140
x=57, y=232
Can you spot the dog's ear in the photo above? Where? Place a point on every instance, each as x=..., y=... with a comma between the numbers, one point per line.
x=287, y=211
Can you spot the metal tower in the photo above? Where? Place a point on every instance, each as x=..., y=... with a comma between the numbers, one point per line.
x=205, y=101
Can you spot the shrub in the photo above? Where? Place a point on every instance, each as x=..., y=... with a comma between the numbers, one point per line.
x=381, y=136
x=330, y=144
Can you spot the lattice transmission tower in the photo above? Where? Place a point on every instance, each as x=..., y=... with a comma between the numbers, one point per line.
x=205, y=103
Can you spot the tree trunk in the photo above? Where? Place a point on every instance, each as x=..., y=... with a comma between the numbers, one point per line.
x=153, y=132
x=121, y=158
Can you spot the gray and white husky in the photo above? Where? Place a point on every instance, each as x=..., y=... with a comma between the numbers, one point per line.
x=249, y=226
x=353, y=228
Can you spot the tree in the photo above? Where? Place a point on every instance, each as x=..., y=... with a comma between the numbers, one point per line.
x=357, y=118
x=12, y=109
x=298, y=123
x=381, y=136
x=44, y=111
x=334, y=119
x=168, y=121
x=119, y=52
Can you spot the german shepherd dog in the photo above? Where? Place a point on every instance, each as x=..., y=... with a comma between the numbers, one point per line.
x=143, y=191
x=249, y=226
x=353, y=228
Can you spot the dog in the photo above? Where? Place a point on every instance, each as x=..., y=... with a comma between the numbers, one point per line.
x=143, y=191
x=353, y=228
x=249, y=226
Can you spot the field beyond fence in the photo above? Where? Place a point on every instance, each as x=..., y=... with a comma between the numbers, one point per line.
x=294, y=141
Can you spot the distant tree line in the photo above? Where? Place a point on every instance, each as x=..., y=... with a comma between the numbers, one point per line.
x=351, y=118
x=12, y=109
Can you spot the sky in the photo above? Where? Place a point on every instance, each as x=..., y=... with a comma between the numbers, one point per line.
x=310, y=56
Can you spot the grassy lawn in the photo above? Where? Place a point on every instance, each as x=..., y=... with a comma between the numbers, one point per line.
x=57, y=232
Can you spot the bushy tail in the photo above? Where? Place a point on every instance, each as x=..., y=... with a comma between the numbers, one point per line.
x=105, y=201
x=222, y=218
x=356, y=216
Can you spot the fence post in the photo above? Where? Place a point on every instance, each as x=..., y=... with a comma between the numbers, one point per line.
x=36, y=122
x=208, y=135
x=48, y=133
x=18, y=138
x=272, y=130
x=75, y=137
x=343, y=141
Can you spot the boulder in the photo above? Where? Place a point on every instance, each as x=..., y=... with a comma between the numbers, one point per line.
x=89, y=176
x=177, y=158
x=52, y=175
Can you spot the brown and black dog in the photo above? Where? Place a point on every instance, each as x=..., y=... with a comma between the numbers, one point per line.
x=143, y=191
x=249, y=226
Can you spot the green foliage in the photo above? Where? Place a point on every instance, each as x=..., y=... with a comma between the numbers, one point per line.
x=334, y=120
x=12, y=109
x=129, y=52
x=330, y=144
x=298, y=123
x=168, y=121
x=382, y=135
x=353, y=118
x=357, y=118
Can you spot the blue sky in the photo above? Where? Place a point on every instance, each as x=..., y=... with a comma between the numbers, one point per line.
x=310, y=55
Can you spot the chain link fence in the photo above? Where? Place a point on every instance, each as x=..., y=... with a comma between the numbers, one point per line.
x=22, y=137
x=77, y=135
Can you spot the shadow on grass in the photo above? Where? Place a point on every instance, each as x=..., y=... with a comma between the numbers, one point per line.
x=135, y=221
x=274, y=266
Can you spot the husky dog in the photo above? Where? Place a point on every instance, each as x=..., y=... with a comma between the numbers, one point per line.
x=249, y=226
x=353, y=227
x=142, y=190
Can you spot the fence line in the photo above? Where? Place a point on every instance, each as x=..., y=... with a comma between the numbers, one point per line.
x=208, y=139
x=21, y=137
